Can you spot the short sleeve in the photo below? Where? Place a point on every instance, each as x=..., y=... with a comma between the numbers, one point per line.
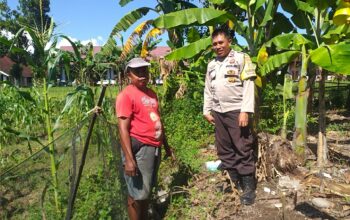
x=249, y=69
x=123, y=105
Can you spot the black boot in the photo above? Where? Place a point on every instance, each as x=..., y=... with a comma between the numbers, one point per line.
x=234, y=176
x=249, y=186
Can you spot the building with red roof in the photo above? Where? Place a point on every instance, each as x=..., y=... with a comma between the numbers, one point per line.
x=26, y=77
x=160, y=52
x=5, y=67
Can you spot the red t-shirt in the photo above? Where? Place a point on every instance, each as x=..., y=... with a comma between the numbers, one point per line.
x=142, y=109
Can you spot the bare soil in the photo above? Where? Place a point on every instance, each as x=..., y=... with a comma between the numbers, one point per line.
x=209, y=195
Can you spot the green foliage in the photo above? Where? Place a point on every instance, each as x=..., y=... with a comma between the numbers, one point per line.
x=35, y=12
x=186, y=129
x=271, y=110
x=19, y=112
x=334, y=58
x=102, y=191
x=190, y=50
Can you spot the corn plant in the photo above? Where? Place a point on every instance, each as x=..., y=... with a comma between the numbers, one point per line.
x=43, y=62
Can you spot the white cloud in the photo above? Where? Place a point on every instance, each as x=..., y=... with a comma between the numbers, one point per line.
x=98, y=41
x=65, y=42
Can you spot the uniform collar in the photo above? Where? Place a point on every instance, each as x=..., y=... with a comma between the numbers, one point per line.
x=230, y=54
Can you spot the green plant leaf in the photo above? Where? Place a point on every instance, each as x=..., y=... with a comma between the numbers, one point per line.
x=334, y=58
x=124, y=2
x=217, y=2
x=289, y=6
x=300, y=20
x=259, y=4
x=288, y=41
x=129, y=19
x=13, y=48
x=190, y=50
x=282, y=24
x=243, y=4
x=268, y=14
x=336, y=32
x=192, y=16
x=193, y=35
x=306, y=7
x=320, y=4
x=276, y=61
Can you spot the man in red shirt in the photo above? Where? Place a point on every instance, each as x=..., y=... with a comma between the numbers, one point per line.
x=141, y=134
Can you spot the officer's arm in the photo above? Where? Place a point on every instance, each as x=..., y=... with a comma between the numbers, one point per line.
x=208, y=100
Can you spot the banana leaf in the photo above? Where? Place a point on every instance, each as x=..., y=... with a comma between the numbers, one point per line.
x=289, y=41
x=189, y=50
x=217, y=2
x=192, y=16
x=268, y=14
x=124, y=2
x=259, y=4
x=320, y=4
x=334, y=58
x=129, y=19
x=193, y=35
x=243, y=4
x=304, y=6
x=300, y=20
x=282, y=23
x=336, y=32
x=276, y=61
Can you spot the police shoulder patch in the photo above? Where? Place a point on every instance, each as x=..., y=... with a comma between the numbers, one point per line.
x=248, y=69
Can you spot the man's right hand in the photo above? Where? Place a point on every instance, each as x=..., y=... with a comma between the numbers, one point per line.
x=130, y=168
x=210, y=119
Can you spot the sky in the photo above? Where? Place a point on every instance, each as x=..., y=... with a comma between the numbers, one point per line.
x=92, y=20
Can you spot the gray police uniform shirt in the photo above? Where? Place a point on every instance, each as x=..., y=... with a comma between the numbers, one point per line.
x=229, y=84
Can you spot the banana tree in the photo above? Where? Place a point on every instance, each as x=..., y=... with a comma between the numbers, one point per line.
x=163, y=7
x=332, y=57
x=257, y=14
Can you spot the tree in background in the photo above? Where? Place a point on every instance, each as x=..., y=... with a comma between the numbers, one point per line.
x=9, y=26
x=35, y=13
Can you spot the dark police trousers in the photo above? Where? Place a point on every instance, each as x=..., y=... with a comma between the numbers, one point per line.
x=235, y=145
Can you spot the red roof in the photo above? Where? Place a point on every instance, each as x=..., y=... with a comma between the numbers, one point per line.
x=160, y=51
x=6, y=64
x=96, y=49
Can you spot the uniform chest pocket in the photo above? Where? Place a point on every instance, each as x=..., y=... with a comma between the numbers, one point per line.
x=232, y=76
x=233, y=80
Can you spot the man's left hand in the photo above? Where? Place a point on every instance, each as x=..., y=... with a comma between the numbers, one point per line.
x=243, y=119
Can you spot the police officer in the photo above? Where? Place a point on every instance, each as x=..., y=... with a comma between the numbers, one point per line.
x=228, y=104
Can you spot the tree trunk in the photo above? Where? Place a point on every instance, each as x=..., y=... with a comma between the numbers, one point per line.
x=300, y=133
x=322, y=150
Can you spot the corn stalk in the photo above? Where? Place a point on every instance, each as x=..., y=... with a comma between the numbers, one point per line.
x=51, y=145
x=40, y=63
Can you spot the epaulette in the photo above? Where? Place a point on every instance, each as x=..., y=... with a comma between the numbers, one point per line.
x=248, y=69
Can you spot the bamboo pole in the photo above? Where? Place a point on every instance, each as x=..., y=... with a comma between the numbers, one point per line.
x=72, y=197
